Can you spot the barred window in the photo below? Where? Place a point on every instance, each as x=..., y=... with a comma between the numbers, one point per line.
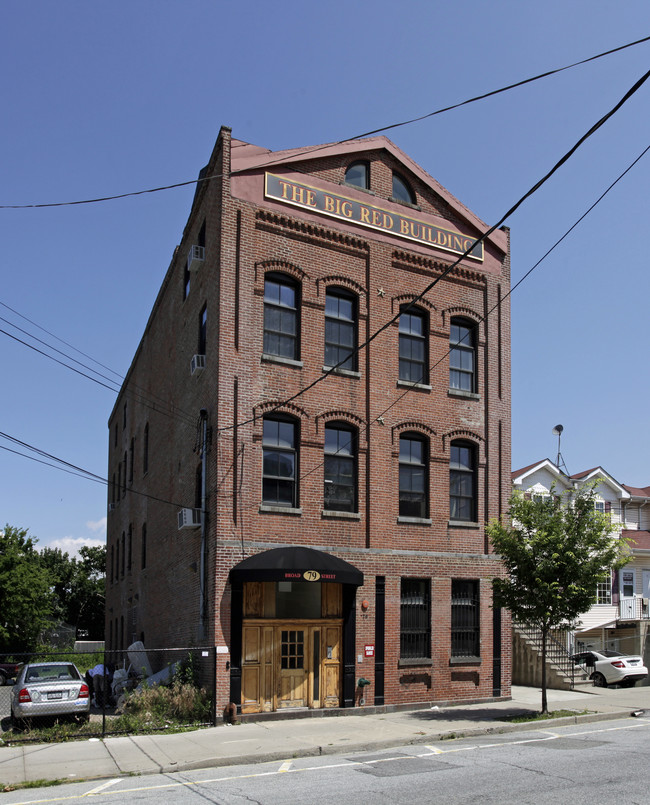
x=465, y=619
x=415, y=619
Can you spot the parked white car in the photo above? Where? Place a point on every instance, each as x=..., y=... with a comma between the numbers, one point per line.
x=606, y=667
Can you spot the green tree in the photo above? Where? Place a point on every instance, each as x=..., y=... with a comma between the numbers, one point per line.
x=25, y=599
x=77, y=586
x=555, y=550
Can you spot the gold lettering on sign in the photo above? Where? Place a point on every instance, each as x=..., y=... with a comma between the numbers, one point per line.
x=369, y=215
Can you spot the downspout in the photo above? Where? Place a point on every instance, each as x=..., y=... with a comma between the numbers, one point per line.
x=203, y=620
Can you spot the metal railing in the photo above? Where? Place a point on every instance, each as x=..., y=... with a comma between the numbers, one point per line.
x=558, y=648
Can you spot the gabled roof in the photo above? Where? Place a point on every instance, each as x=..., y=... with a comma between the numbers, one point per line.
x=599, y=472
x=638, y=492
x=519, y=475
x=247, y=157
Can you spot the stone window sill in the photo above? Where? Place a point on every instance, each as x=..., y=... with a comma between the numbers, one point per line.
x=415, y=520
x=463, y=524
x=265, y=508
x=466, y=395
x=342, y=372
x=415, y=386
x=343, y=515
x=283, y=361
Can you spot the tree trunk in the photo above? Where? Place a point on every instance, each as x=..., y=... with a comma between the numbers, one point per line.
x=544, y=702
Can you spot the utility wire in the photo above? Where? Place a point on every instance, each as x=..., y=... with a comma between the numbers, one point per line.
x=481, y=319
x=93, y=477
x=388, y=127
x=635, y=87
x=143, y=393
x=186, y=419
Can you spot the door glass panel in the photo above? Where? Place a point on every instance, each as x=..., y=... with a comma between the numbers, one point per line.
x=292, y=649
x=316, y=666
x=298, y=599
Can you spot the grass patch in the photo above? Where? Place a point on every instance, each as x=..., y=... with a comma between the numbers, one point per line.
x=5, y=789
x=522, y=719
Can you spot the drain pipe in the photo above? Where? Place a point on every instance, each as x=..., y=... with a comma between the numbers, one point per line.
x=203, y=604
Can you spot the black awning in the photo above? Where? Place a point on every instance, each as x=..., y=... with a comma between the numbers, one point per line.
x=296, y=563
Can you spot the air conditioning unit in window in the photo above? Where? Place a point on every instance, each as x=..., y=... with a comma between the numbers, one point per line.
x=197, y=364
x=195, y=258
x=189, y=518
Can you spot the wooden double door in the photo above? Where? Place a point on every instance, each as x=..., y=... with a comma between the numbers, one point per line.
x=290, y=664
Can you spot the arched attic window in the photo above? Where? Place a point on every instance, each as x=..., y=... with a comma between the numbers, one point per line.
x=402, y=190
x=358, y=174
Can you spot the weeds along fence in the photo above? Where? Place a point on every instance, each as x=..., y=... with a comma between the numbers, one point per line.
x=59, y=695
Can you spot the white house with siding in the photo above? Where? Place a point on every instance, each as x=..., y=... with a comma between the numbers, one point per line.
x=620, y=617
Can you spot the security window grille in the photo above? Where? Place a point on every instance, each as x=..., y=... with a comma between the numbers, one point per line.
x=462, y=482
x=280, y=318
x=279, y=463
x=340, y=473
x=415, y=619
x=464, y=619
x=462, y=357
x=340, y=330
x=412, y=348
x=413, y=499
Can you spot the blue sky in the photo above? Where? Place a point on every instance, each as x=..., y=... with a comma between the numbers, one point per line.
x=103, y=99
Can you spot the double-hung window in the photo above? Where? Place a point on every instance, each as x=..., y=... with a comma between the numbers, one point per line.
x=462, y=356
x=340, y=469
x=462, y=481
x=465, y=634
x=280, y=317
x=413, y=367
x=340, y=330
x=415, y=619
x=280, y=463
x=413, y=481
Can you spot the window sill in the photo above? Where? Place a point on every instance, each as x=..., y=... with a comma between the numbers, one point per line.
x=415, y=520
x=425, y=662
x=467, y=395
x=342, y=372
x=464, y=661
x=283, y=361
x=358, y=187
x=463, y=524
x=406, y=203
x=265, y=508
x=415, y=386
x=343, y=515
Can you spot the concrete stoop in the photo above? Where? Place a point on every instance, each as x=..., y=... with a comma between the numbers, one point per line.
x=527, y=667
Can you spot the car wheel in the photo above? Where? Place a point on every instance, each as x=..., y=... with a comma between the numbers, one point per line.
x=599, y=680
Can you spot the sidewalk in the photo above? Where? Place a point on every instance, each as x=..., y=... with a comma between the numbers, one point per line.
x=255, y=742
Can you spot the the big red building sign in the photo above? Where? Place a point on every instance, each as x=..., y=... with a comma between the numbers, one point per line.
x=335, y=205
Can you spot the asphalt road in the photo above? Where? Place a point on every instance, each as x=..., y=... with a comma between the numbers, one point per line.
x=603, y=762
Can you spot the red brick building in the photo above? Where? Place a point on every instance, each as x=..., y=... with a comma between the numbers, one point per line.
x=307, y=446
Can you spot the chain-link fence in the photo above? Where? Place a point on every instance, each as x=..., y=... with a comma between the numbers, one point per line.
x=58, y=695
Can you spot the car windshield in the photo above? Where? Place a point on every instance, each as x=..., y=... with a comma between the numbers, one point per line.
x=47, y=673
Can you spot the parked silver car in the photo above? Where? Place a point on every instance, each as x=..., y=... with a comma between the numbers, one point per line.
x=49, y=689
x=607, y=667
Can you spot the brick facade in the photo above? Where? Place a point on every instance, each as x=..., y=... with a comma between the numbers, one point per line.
x=156, y=570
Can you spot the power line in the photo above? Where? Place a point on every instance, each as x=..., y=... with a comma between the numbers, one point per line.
x=388, y=127
x=141, y=397
x=635, y=87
